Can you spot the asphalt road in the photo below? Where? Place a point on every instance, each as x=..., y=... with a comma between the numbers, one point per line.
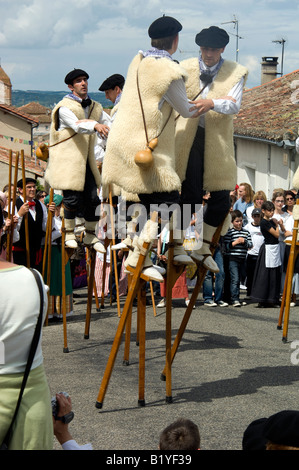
x=231, y=368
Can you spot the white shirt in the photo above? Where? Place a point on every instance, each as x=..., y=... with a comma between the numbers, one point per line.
x=67, y=119
x=33, y=214
x=257, y=238
x=176, y=96
x=297, y=145
x=223, y=106
x=19, y=307
x=73, y=445
x=289, y=226
x=284, y=216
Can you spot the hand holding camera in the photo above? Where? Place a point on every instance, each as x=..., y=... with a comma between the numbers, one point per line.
x=62, y=408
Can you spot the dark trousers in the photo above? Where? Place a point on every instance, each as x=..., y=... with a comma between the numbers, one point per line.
x=82, y=203
x=155, y=201
x=218, y=205
x=20, y=258
x=235, y=268
x=250, y=268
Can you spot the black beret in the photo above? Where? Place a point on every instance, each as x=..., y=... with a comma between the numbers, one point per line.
x=212, y=37
x=283, y=428
x=71, y=76
x=27, y=181
x=253, y=437
x=112, y=81
x=164, y=27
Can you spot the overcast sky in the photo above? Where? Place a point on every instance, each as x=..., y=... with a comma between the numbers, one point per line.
x=42, y=40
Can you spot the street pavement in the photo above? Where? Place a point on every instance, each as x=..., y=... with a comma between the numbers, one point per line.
x=232, y=367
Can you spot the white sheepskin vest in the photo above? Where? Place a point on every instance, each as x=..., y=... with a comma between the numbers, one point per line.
x=220, y=171
x=67, y=160
x=127, y=135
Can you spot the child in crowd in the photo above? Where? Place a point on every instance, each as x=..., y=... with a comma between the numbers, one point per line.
x=237, y=243
x=257, y=238
x=182, y=434
x=267, y=275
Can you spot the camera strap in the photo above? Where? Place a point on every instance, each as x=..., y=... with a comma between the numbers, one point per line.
x=33, y=347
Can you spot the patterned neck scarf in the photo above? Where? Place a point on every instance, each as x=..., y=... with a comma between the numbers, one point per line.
x=208, y=73
x=117, y=99
x=84, y=103
x=154, y=52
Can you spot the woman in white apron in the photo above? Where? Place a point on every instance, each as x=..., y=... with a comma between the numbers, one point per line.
x=267, y=274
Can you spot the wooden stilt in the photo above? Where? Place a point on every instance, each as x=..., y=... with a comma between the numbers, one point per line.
x=48, y=250
x=63, y=264
x=9, y=210
x=91, y=257
x=106, y=244
x=128, y=330
x=287, y=291
x=153, y=298
x=137, y=284
x=26, y=215
x=142, y=322
x=95, y=293
x=114, y=254
x=12, y=207
x=173, y=273
x=201, y=272
x=133, y=287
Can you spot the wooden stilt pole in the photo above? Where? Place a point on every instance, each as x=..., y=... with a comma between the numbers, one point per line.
x=91, y=262
x=26, y=215
x=64, y=259
x=287, y=291
x=48, y=249
x=142, y=322
x=201, y=272
x=133, y=287
x=128, y=330
x=9, y=248
x=106, y=244
x=9, y=210
x=114, y=254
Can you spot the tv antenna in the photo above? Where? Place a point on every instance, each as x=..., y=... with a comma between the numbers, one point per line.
x=236, y=25
x=282, y=42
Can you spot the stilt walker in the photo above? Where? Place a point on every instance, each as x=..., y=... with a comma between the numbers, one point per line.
x=144, y=165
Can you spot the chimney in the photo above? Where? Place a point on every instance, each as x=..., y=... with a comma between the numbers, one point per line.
x=269, y=69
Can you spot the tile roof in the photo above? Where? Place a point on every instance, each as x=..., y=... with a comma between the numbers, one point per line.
x=17, y=112
x=35, y=109
x=32, y=165
x=270, y=110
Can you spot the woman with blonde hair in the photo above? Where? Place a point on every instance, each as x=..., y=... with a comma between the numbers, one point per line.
x=258, y=199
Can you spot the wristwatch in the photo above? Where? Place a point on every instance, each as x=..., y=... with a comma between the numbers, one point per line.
x=66, y=419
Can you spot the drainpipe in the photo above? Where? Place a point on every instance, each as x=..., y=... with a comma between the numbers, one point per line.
x=33, y=126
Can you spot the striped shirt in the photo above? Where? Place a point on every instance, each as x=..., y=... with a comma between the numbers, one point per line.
x=240, y=250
